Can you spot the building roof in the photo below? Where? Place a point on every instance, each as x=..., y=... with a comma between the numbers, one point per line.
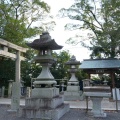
x=44, y=42
x=100, y=64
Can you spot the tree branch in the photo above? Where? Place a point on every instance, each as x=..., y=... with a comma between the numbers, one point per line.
x=92, y=29
x=96, y=19
x=91, y=24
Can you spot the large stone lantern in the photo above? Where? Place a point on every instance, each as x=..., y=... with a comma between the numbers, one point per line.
x=73, y=89
x=45, y=101
x=44, y=45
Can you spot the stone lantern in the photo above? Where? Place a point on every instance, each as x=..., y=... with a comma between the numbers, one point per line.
x=73, y=69
x=44, y=45
x=45, y=101
x=73, y=89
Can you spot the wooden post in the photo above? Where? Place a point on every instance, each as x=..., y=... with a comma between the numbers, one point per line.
x=116, y=99
x=88, y=75
x=113, y=86
x=113, y=81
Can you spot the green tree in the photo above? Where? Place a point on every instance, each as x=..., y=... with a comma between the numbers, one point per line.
x=7, y=71
x=102, y=19
x=81, y=75
x=59, y=69
x=17, y=23
x=30, y=67
x=18, y=19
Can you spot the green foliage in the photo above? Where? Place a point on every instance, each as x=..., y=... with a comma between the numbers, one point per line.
x=102, y=19
x=7, y=71
x=17, y=23
x=81, y=75
x=29, y=67
x=18, y=17
x=59, y=69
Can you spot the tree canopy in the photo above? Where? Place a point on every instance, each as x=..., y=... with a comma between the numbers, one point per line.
x=18, y=19
x=59, y=69
x=102, y=19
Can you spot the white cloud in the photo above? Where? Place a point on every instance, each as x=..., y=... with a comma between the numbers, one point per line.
x=56, y=5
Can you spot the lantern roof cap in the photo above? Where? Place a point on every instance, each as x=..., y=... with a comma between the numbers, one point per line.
x=44, y=42
x=73, y=61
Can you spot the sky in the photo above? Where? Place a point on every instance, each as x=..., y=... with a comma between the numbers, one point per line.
x=61, y=35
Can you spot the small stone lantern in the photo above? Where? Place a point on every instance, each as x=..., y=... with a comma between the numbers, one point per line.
x=73, y=89
x=73, y=69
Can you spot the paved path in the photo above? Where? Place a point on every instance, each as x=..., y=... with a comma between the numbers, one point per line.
x=106, y=104
x=77, y=111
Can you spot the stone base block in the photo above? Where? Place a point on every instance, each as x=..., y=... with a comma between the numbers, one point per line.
x=45, y=92
x=44, y=108
x=73, y=88
x=70, y=96
x=44, y=113
x=100, y=114
x=44, y=102
x=96, y=114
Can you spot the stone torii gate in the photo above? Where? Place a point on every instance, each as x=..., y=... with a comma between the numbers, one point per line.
x=4, y=51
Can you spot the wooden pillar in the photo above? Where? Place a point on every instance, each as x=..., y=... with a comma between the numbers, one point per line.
x=113, y=79
x=88, y=75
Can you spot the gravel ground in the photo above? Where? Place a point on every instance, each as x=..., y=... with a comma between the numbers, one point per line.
x=80, y=114
x=73, y=114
